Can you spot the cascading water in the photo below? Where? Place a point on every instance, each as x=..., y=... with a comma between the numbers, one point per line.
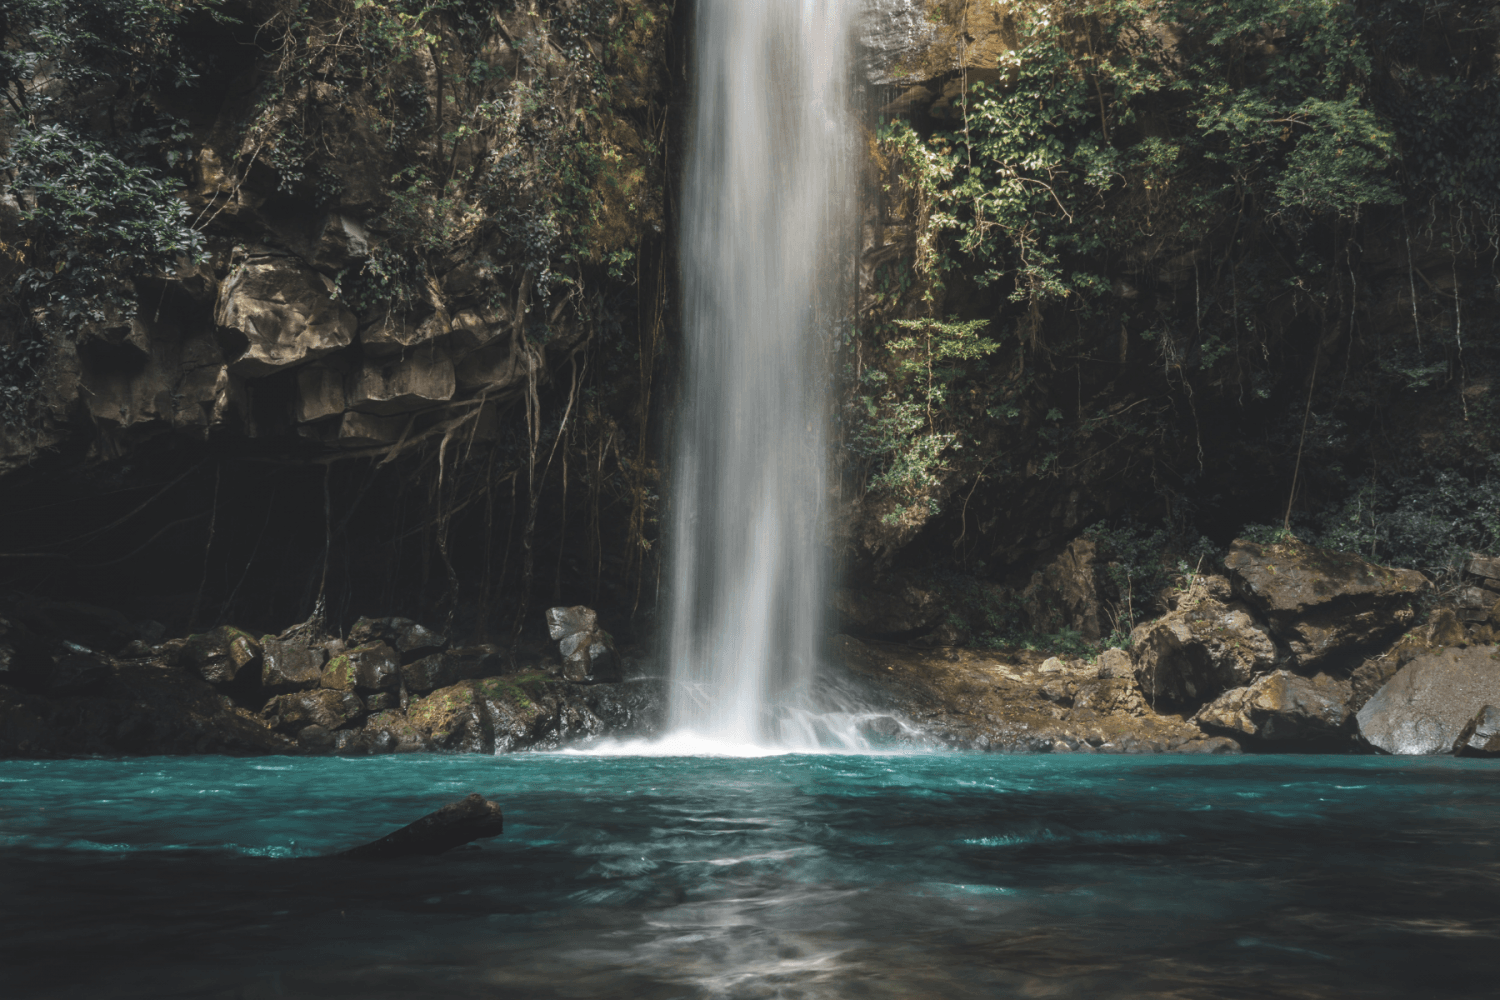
x=767, y=208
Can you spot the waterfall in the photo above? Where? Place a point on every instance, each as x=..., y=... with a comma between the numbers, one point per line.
x=766, y=212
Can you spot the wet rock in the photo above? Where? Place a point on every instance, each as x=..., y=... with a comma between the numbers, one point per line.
x=412, y=640
x=381, y=701
x=472, y=818
x=1212, y=745
x=1481, y=737
x=291, y=713
x=1282, y=707
x=373, y=667
x=454, y=719
x=1072, y=591
x=294, y=664
x=1203, y=648
x=384, y=732
x=587, y=650
x=590, y=656
x=438, y=670
x=1427, y=704
x=563, y=622
x=222, y=655
x=1326, y=606
x=315, y=737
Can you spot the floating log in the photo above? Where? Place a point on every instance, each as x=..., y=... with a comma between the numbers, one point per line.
x=457, y=823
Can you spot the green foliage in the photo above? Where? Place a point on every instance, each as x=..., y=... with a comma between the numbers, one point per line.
x=903, y=420
x=1430, y=521
x=97, y=219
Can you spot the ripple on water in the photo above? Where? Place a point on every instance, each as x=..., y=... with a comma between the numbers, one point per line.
x=793, y=875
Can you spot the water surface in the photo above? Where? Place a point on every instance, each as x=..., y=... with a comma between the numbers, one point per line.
x=936, y=875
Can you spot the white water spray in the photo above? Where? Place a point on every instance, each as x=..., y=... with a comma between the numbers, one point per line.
x=767, y=210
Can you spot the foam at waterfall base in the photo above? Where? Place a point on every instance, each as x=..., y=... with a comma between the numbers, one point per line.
x=803, y=733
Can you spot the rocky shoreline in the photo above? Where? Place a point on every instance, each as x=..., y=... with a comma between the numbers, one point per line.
x=1290, y=649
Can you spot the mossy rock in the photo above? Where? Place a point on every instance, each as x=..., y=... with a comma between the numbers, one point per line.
x=339, y=674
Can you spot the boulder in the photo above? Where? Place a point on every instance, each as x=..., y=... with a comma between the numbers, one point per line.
x=563, y=622
x=290, y=664
x=384, y=732
x=438, y=670
x=1427, y=704
x=1481, y=737
x=590, y=656
x=1485, y=567
x=1107, y=696
x=372, y=667
x=292, y=713
x=1328, y=607
x=286, y=313
x=223, y=655
x=1116, y=663
x=1073, y=591
x=454, y=719
x=1200, y=650
x=1282, y=707
x=587, y=650
x=472, y=818
x=407, y=637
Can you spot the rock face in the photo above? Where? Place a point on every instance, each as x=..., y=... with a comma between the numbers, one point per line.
x=1073, y=591
x=900, y=610
x=1208, y=645
x=1328, y=607
x=291, y=665
x=285, y=311
x=222, y=655
x=1481, y=737
x=457, y=823
x=587, y=650
x=332, y=710
x=1282, y=707
x=971, y=700
x=1427, y=704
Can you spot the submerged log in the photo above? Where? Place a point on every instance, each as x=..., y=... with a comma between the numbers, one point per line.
x=457, y=823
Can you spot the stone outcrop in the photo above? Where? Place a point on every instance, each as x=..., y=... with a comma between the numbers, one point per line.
x=1427, y=704
x=284, y=312
x=1282, y=707
x=330, y=710
x=223, y=655
x=294, y=664
x=1481, y=737
x=975, y=700
x=1328, y=607
x=587, y=650
x=455, y=824
x=1210, y=644
x=1073, y=591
